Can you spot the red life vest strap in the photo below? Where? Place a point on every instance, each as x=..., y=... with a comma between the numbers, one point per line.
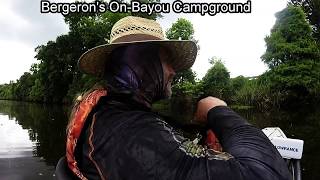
x=77, y=123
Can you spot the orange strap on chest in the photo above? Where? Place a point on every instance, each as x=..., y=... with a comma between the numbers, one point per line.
x=77, y=123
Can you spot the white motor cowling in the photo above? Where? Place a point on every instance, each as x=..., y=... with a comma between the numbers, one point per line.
x=288, y=148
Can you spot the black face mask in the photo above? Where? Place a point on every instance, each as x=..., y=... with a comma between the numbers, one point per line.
x=136, y=69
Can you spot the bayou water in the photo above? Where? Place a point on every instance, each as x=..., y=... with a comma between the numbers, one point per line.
x=32, y=137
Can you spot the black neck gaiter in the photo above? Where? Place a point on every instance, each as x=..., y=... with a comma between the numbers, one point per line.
x=136, y=70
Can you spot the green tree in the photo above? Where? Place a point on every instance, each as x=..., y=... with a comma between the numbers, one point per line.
x=238, y=82
x=37, y=92
x=292, y=56
x=216, y=82
x=291, y=39
x=181, y=30
x=24, y=85
x=55, y=73
x=8, y=91
x=312, y=10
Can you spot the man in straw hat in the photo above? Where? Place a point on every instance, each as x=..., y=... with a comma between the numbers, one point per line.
x=113, y=135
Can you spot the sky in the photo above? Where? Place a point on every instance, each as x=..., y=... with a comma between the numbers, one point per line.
x=238, y=39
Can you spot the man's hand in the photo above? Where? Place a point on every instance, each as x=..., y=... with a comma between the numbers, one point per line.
x=204, y=105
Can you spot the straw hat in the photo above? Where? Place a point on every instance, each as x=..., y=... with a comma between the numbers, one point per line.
x=130, y=30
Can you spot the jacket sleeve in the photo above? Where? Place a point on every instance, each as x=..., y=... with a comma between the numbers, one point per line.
x=256, y=155
x=156, y=151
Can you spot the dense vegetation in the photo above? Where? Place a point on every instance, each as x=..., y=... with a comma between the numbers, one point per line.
x=292, y=55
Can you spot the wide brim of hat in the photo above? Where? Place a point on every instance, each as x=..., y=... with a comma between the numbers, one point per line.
x=183, y=55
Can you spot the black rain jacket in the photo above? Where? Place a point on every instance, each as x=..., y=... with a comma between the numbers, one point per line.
x=123, y=141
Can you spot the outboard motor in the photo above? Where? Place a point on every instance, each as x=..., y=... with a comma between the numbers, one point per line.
x=290, y=149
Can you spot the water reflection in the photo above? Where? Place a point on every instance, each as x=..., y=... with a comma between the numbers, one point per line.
x=14, y=140
x=32, y=139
